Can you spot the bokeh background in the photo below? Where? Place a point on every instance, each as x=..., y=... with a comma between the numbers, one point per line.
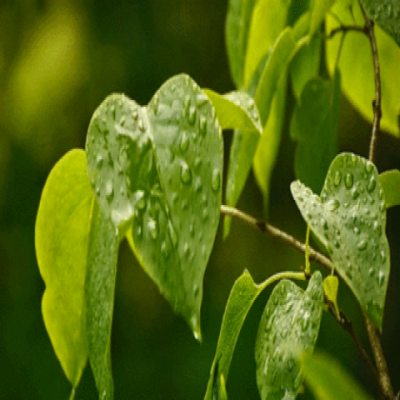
x=58, y=60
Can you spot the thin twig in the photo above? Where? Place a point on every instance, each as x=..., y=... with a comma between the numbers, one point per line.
x=345, y=29
x=262, y=226
x=314, y=255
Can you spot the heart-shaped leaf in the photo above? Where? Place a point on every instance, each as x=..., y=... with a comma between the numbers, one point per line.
x=386, y=14
x=61, y=241
x=161, y=166
x=350, y=220
x=289, y=326
x=390, y=181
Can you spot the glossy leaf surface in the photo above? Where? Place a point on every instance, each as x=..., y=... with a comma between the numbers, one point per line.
x=386, y=14
x=350, y=220
x=289, y=326
x=61, y=240
x=314, y=126
x=390, y=181
x=160, y=166
x=328, y=380
x=356, y=66
x=99, y=289
x=242, y=296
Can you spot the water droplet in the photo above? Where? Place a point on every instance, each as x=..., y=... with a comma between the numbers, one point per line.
x=164, y=250
x=216, y=180
x=192, y=115
x=371, y=184
x=191, y=229
x=99, y=160
x=197, y=162
x=152, y=227
x=109, y=191
x=305, y=322
x=337, y=244
x=362, y=245
x=348, y=180
x=203, y=125
x=332, y=205
x=381, y=278
x=135, y=114
x=371, y=272
x=186, y=104
x=205, y=214
x=186, y=249
x=290, y=364
x=97, y=190
x=186, y=175
x=172, y=234
x=174, y=197
x=122, y=120
x=382, y=206
x=369, y=167
x=377, y=228
x=383, y=256
x=140, y=200
x=184, y=143
x=337, y=179
x=356, y=230
x=198, y=185
x=355, y=193
x=141, y=125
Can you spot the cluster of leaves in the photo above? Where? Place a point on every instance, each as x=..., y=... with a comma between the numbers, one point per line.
x=153, y=175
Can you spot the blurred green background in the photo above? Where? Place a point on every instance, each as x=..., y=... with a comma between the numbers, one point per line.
x=58, y=60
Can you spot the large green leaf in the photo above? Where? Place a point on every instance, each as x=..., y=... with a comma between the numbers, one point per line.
x=289, y=326
x=318, y=12
x=160, y=166
x=357, y=69
x=268, y=20
x=100, y=284
x=242, y=296
x=350, y=220
x=390, y=181
x=236, y=33
x=386, y=14
x=314, y=126
x=61, y=240
x=328, y=380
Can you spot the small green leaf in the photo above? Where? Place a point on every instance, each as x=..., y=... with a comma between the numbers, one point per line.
x=390, y=181
x=242, y=296
x=235, y=110
x=386, y=14
x=331, y=287
x=356, y=66
x=236, y=33
x=314, y=126
x=350, y=220
x=100, y=284
x=268, y=20
x=289, y=326
x=328, y=380
x=319, y=10
x=160, y=167
x=61, y=240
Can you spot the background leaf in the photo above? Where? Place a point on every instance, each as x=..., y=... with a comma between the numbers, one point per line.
x=289, y=326
x=386, y=14
x=318, y=12
x=165, y=163
x=242, y=296
x=314, y=126
x=99, y=290
x=390, y=181
x=357, y=70
x=350, y=220
x=328, y=380
x=61, y=239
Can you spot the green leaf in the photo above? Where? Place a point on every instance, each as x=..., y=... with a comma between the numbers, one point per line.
x=328, y=380
x=160, y=166
x=235, y=110
x=319, y=10
x=314, y=126
x=386, y=14
x=331, y=287
x=289, y=326
x=236, y=33
x=268, y=20
x=100, y=284
x=390, y=181
x=242, y=296
x=357, y=69
x=61, y=240
x=350, y=220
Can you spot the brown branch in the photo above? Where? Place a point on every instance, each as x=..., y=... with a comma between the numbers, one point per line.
x=345, y=29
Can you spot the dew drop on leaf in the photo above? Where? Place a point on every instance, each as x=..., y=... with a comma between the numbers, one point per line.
x=109, y=191
x=371, y=184
x=348, y=181
x=192, y=115
x=184, y=143
x=362, y=245
x=186, y=175
x=203, y=125
x=337, y=179
x=216, y=180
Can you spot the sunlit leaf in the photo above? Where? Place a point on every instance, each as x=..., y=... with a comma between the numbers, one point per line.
x=242, y=296
x=289, y=326
x=331, y=287
x=100, y=284
x=160, y=167
x=314, y=126
x=386, y=14
x=61, y=240
x=390, y=181
x=318, y=12
x=236, y=33
x=357, y=69
x=350, y=220
x=328, y=380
